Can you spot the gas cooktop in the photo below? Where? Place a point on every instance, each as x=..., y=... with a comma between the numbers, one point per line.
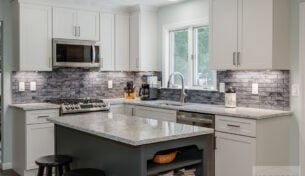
x=69, y=106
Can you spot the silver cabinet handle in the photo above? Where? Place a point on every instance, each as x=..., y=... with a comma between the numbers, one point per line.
x=234, y=126
x=238, y=58
x=77, y=31
x=43, y=116
x=234, y=58
x=93, y=54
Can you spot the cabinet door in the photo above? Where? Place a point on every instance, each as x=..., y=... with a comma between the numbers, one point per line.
x=118, y=109
x=134, y=42
x=88, y=23
x=156, y=113
x=107, y=42
x=256, y=34
x=122, y=43
x=39, y=142
x=64, y=23
x=223, y=32
x=234, y=155
x=35, y=38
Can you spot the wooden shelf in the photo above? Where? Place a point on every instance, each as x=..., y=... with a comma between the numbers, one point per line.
x=154, y=169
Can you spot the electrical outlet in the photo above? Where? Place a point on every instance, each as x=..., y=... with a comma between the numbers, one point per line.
x=110, y=85
x=21, y=86
x=33, y=86
x=222, y=87
x=295, y=90
x=255, y=88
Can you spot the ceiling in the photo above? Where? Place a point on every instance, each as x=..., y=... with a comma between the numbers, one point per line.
x=157, y=3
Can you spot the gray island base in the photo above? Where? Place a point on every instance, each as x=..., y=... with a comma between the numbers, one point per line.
x=93, y=143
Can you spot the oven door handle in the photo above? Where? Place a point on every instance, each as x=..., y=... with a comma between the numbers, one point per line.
x=196, y=120
x=93, y=54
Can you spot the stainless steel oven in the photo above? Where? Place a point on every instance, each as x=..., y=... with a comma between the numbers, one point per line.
x=75, y=53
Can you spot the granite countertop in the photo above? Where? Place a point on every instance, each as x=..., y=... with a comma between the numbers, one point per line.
x=127, y=129
x=241, y=112
x=35, y=106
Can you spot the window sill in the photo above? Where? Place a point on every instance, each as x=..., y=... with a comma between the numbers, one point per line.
x=192, y=88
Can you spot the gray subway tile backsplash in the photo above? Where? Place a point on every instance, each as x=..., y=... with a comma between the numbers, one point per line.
x=84, y=83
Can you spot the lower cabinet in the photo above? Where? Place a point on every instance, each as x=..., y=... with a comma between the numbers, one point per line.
x=40, y=142
x=235, y=155
x=33, y=137
x=243, y=144
x=156, y=113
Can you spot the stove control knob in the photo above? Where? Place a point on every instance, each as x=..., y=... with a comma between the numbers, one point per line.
x=67, y=107
x=76, y=107
x=72, y=107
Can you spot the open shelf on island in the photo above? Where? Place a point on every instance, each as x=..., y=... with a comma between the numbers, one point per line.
x=187, y=157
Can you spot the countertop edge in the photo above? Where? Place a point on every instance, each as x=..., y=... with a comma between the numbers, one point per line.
x=32, y=107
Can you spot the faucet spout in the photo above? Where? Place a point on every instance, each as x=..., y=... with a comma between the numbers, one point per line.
x=183, y=94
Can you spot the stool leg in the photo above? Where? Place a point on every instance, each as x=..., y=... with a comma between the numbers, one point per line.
x=40, y=171
x=49, y=171
x=67, y=167
x=59, y=171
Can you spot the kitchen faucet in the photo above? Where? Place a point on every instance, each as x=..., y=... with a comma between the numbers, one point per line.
x=183, y=94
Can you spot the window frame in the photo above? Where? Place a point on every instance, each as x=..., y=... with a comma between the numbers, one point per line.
x=167, y=63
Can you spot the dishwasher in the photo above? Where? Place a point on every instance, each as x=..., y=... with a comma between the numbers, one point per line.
x=201, y=120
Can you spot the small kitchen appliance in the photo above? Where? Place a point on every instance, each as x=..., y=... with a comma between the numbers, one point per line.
x=230, y=98
x=146, y=92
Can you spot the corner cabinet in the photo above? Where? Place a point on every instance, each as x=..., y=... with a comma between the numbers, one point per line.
x=122, y=42
x=76, y=24
x=256, y=34
x=143, y=41
x=32, y=25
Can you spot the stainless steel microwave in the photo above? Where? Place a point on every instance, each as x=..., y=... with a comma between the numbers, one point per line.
x=75, y=53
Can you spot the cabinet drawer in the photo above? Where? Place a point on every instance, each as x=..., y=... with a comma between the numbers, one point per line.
x=36, y=117
x=245, y=127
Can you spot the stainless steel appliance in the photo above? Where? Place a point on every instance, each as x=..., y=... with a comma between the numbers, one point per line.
x=202, y=120
x=146, y=92
x=70, y=106
x=75, y=53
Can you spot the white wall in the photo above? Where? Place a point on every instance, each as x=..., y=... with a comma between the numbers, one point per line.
x=6, y=98
x=184, y=11
x=296, y=102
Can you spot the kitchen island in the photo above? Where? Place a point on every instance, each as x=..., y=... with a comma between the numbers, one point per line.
x=125, y=146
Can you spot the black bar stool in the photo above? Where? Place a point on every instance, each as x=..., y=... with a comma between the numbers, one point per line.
x=85, y=172
x=59, y=162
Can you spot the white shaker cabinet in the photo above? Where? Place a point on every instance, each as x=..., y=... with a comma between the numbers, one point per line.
x=256, y=34
x=143, y=41
x=33, y=39
x=33, y=137
x=242, y=144
x=76, y=24
x=121, y=42
x=107, y=42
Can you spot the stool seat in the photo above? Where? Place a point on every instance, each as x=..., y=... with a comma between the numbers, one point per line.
x=85, y=172
x=61, y=163
x=53, y=160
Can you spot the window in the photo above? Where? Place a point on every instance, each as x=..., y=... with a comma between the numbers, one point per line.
x=189, y=54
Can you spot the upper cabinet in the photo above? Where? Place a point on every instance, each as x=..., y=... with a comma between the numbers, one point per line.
x=107, y=42
x=143, y=41
x=33, y=37
x=249, y=34
x=121, y=42
x=76, y=24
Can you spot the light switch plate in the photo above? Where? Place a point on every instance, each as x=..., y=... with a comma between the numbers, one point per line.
x=21, y=86
x=110, y=85
x=33, y=86
x=295, y=90
x=255, y=88
x=222, y=87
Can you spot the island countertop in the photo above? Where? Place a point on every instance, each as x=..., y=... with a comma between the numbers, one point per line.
x=130, y=130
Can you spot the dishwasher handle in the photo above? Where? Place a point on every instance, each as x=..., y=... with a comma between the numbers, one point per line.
x=196, y=120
